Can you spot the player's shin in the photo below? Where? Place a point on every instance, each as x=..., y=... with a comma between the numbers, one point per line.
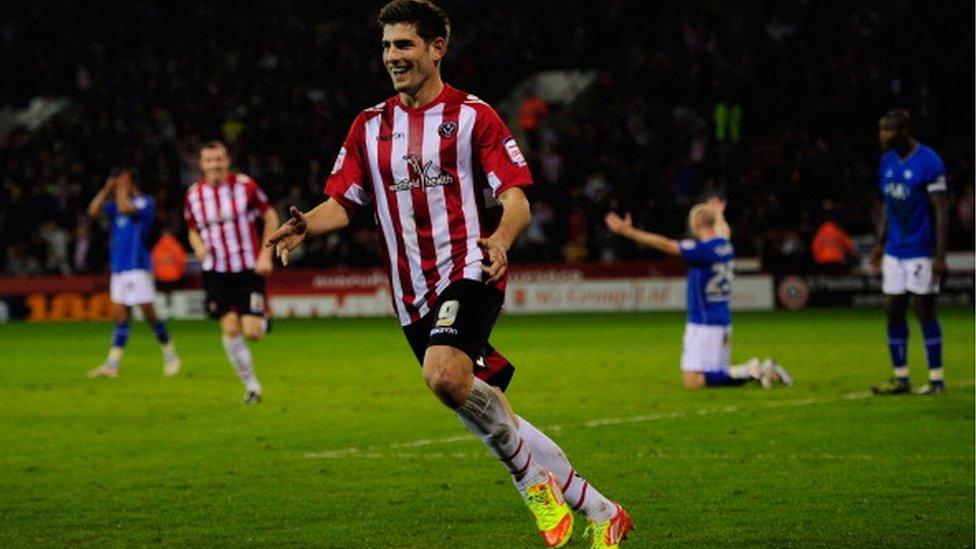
x=483, y=413
x=119, y=338
x=932, y=332
x=579, y=494
x=240, y=357
x=165, y=343
x=898, y=347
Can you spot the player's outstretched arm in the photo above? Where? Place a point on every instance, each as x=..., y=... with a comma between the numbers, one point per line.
x=516, y=215
x=325, y=218
x=95, y=206
x=624, y=227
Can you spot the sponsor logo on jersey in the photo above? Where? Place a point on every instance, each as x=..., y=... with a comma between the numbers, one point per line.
x=447, y=129
x=897, y=191
x=514, y=153
x=908, y=174
x=420, y=176
x=390, y=136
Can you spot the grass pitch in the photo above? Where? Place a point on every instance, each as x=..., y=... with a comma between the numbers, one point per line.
x=350, y=450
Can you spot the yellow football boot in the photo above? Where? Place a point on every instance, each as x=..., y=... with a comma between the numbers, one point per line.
x=552, y=515
x=608, y=534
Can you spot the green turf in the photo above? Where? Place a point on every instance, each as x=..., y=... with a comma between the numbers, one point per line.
x=142, y=460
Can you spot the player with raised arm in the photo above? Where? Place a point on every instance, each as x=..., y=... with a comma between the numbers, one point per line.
x=221, y=212
x=131, y=214
x=445, y=179
x=708, y=333
x=911, y=249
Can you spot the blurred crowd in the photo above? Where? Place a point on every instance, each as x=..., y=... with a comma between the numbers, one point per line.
x=772, y=104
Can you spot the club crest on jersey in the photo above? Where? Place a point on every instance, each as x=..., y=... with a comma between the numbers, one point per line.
x=420, y=176
x=447, y=129
x=514, y=153
x=908, y=174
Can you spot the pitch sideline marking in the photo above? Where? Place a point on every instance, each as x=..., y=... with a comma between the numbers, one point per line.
x=377, y=453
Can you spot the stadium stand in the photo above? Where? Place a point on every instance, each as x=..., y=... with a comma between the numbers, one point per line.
x=773, y=104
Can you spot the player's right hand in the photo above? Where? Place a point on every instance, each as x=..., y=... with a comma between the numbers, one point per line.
x=289, y=235
x=618, y=225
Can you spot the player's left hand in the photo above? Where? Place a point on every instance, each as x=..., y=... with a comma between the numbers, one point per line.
x=496, y=264
x=264, y=266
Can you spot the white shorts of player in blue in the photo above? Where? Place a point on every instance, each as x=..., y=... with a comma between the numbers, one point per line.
x=911, y=275
x=133, y=287
x=706, y=348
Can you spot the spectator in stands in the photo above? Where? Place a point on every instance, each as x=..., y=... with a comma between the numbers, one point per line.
x=533, y=112
x=832, y=248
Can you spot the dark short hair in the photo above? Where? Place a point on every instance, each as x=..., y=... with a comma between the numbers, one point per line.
x=214, y=144
x=430, y=21
x=899, y=118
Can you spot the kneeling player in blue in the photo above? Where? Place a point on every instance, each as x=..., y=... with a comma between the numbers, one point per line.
x=911, y=249
x=708, y=333
x=131, y=214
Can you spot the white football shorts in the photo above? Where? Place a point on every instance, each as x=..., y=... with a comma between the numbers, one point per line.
x=133, y=287
x=911, y=275
x=706, y=348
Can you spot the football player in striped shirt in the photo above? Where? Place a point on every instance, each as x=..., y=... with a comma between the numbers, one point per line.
x=131, y=214
x=221, y=212
x=445, y=180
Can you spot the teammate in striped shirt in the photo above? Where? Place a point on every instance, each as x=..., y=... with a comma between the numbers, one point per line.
x=445, y=180
x=131, y=214
x=221, y=212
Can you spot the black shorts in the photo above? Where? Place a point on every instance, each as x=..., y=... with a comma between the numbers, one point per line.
x=463, y=317
x=241, y=292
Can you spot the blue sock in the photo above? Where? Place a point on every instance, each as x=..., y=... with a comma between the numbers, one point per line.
x=162, y=336
x=720, y=378
x=121, y=334
x=932, y=332
x=898, y=345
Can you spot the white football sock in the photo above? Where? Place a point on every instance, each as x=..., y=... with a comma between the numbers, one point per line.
x=579, y=494
x=240, y=358
x=115, y=356
x=483, y=413
x=749, y=370
x=169, y=350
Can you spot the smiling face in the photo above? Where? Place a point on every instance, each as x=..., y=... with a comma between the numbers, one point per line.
x=413, y=64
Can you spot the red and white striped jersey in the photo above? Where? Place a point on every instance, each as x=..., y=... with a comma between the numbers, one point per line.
x=225, y=215
x=433, y=174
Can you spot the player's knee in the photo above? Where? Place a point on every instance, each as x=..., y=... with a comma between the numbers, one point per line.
x=896, y=308
x=925, y=308
x=693, y=380
x=450, y=383
x=253, y=333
